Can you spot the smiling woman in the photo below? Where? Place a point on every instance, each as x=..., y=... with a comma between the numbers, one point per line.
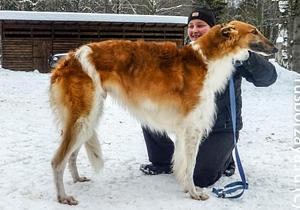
x=197, y=28
x=199, y=22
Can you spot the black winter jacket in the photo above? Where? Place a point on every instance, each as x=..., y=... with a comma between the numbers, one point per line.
x=256, y=70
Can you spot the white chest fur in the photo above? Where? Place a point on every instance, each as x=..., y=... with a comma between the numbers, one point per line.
x=216, y=79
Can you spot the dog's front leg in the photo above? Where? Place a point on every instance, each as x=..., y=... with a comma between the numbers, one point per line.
x=192, y=139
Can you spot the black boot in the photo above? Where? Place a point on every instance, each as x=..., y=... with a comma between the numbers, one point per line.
x=230, y=169
x=154, y=169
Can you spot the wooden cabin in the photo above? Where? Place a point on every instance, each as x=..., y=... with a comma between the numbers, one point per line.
x=29, y=38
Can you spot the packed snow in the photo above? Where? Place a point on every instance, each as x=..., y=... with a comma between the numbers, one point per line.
x=29, y=138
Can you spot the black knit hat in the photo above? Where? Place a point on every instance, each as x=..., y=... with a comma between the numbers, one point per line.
x=204, y=14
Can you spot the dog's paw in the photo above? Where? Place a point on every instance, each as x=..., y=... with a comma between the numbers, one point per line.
x=198, y=194
x=81, y=179
x=70, y=200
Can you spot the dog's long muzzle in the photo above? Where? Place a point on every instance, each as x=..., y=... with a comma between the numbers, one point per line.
x=262, y=47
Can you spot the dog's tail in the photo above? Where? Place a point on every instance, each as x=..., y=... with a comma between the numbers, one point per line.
x=93, y=147
x=94, y=153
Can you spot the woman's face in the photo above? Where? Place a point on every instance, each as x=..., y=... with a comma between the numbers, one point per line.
x=197, y=28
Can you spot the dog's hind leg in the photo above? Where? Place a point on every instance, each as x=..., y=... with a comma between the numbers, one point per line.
x=74, y=135
x=73, y=168
x=67, y=147
x=94, y=152
x=78, y=128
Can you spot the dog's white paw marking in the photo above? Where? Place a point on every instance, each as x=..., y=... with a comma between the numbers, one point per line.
x=82, y=179
x=70, y=200
x=198, y=194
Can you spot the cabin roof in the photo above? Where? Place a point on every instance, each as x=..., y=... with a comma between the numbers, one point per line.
x=89, y=17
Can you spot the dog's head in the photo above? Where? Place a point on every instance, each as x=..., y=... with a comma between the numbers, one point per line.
x=247, y=36
x=233, y=38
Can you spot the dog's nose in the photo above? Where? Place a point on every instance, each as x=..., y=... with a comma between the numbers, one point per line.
x=275, y=50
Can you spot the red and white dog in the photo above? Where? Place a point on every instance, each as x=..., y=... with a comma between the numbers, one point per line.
x=166, y=88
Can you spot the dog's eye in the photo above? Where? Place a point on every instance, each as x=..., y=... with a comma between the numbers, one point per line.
x=254, y=32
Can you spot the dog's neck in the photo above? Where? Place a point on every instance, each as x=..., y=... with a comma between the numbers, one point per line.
x=218, y=57
x=214, y=46
x=219, y=72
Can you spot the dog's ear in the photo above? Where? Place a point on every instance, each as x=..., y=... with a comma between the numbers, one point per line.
x=227, y=30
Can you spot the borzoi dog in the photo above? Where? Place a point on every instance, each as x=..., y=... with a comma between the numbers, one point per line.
x=167, y=88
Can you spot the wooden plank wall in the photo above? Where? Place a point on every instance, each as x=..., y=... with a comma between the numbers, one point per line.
x=17, y=54
x=27, y=46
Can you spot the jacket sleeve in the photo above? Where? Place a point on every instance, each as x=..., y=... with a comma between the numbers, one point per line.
x=258, y=71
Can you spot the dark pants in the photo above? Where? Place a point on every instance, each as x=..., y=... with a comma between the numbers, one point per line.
x=214, y=154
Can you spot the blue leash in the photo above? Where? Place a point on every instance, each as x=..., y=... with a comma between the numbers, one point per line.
x=229, y=191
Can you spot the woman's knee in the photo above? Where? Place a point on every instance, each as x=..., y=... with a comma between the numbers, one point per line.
x=206, y=177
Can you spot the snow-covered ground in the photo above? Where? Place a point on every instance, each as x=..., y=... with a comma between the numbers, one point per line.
x=29, y=138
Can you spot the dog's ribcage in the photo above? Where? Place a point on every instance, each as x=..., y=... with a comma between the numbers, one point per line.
x=167, y=118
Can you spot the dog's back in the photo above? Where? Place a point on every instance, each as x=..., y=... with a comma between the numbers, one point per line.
x=156, y=81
